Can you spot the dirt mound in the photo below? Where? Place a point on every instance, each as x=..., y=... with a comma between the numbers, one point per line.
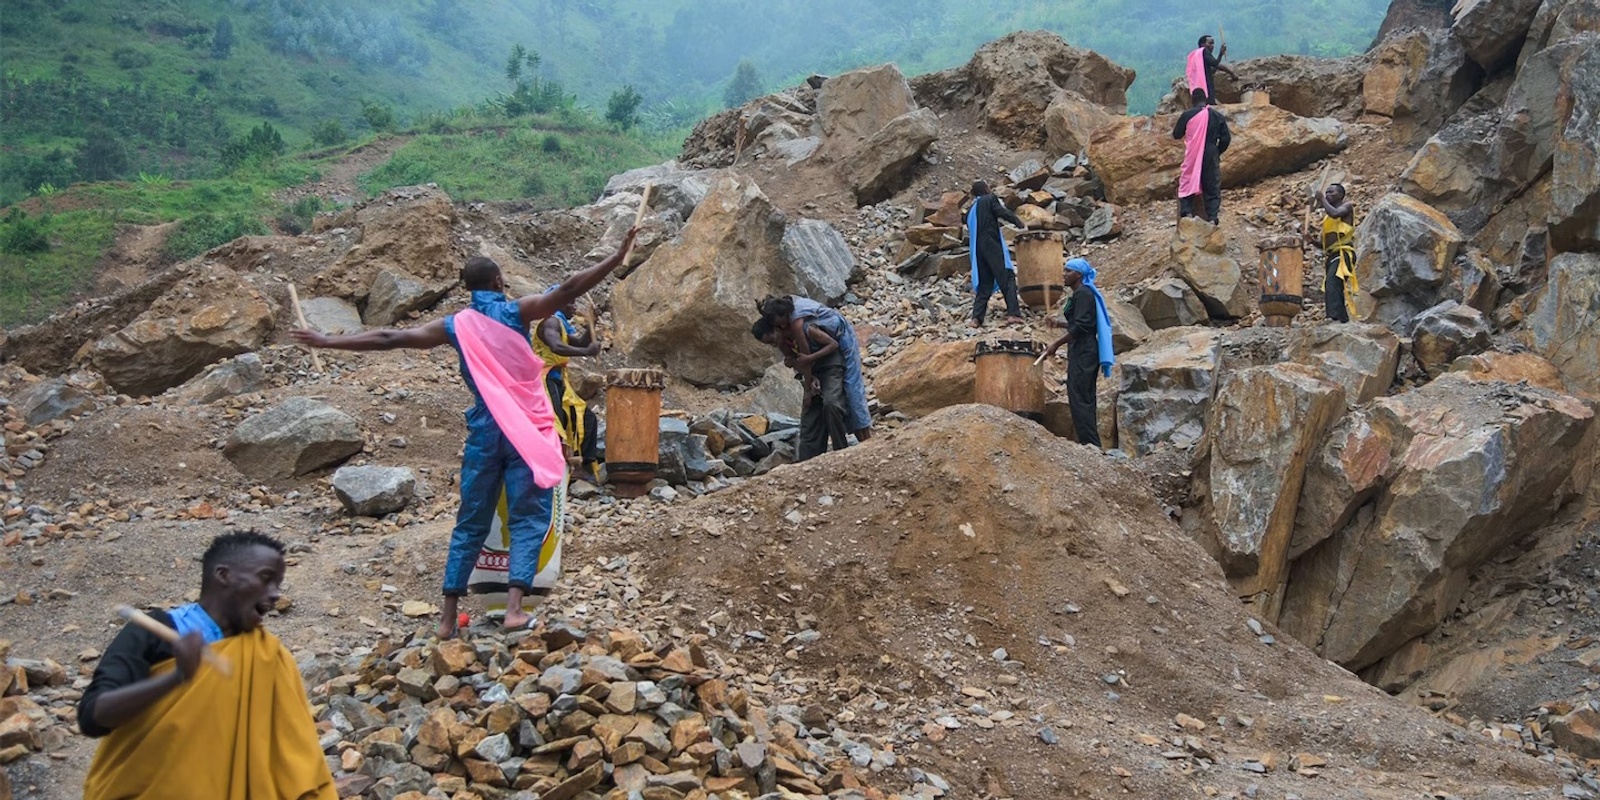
x=987, y=595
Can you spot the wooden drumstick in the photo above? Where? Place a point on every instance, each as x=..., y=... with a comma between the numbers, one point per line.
x=171, y=637
x=294, y=299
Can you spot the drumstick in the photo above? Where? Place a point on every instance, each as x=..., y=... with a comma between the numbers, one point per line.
x=294, y=299
x=171, y=637
x=1040, y=359
x=644, y=206
x=1305, y=222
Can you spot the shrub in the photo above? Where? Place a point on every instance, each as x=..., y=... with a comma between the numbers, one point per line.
x=199, y=233
x=329, y=132
x=21, y=234
x=623, y=107
x=296, y=217
x=262, y=143
x=129, y=58
x=379, y=117
x=551, y=143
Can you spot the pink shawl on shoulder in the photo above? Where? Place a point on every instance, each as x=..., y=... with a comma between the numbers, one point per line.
x=1194, y=153
x=509, y=379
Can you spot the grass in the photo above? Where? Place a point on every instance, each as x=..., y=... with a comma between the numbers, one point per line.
x=37, y=284
x=551, y=163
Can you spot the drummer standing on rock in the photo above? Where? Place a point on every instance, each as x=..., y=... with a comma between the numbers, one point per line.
x=1088, y=340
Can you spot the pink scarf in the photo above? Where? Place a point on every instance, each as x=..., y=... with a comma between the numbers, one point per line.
x=1194, y=152
x=508, y=377
x=1196, y=72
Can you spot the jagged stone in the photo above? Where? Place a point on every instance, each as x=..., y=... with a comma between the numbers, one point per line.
x=1511, y=368
x=688, y=307
x=1418, y=79
x=822, y=262
x=1446, y=332
x=926, y=377
x=1362, y=359
x=1169, y=303
x=197, y=323
x=1308, y=86
x=395, y=294
x=296, y=436
x=1199, y=256
x=1492, y=31
x=1412, y=494
x=1165, y=390
x=854, y=106
x=1018, y=76
x=1575, y=165
x=51, y=400
x=876, y=168
x=238, y=375
x=331, y=315
x=1404, y=250
x=1069, y=122
x=673, y=186
x=1128, y=328
x=777, y=392
x=373, y=491
x=1561, y=320
x=408, y=230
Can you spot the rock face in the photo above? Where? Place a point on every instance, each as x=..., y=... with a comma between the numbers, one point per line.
x=1199, y=255
x=1138, y=160
x=1265, y=423
x=1128, y=328
x=395, y=294
x=1362, y=359
x=854, y=106
x=237, y=375
x=1169, y=303
x=1575, y=166
x=406, y=230
x=296, y=436
x=689, y=306
x=373, y=491
x=1412, y=494
x=331, y=315
x=1447, y=332
x=1563, y=323
x=218, y=315
x=1069, y=122
x=875, y=168
x=822, y=262
x=1165, y=390
x=1404, y=249
x=1492, y=31
x=51, y=400
x=777, y=393
x=673, y=186
x=1418, y=79
x=1511, y=368
x=926, y=377
x=1306, y=86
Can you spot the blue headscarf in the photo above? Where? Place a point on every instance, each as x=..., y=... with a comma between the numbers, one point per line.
x=1102, y=322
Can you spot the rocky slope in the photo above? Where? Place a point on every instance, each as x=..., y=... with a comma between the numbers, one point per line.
x=1391, y=496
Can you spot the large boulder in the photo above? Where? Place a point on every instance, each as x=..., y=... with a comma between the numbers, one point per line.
x=689, y=306
x=1069, y=122
x=1404, y=251
x=52, y=399
x=395, y=294
x=876, y=168
x=672, y=186
x=331, y=315
x=407, y=230
x=297, y=436
x=854, y=106
x=1169, y=303
x=1447, y=332
x=1563, y=320
x=1265, y=423
x=926, y=377
x=1308, y=86
x=1526, y=368
x=193, y=325
x=1199, y=256
x=1413, y=494
x=1516, y=241
x=1558, y=20
x=1454, y=170
x=1575, y=166
x=1492, y=31
x=1418, y=79
x=1165, y=390
x=1362, y=359
x=373, y=491
x=778, y=392
x=1018, y=76
x=821, y=259
x=238, y=375
x=1128, y=328
x=1137, y=159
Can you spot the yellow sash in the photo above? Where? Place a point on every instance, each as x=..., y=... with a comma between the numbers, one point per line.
x=570, y=418
x=245, y=737
x=1338, y=240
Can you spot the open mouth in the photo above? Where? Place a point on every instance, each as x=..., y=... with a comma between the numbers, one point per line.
x=260, y=611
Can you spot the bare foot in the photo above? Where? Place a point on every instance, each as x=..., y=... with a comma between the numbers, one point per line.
x=1013, y=320
x=973, y=324
x=447, y=628
x=516, y=620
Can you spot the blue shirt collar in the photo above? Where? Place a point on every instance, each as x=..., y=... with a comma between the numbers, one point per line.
x=192, y=617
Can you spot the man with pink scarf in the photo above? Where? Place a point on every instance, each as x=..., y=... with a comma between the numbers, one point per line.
x=1205, y=136
x=512, y=439
x=1201, y=69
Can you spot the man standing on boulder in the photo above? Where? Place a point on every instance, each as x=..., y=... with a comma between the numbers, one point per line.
x=1338, y=244
x=1088, y=340
x=991, y=261
x=1202, y=66
x=513, y=440
x=1205, y=136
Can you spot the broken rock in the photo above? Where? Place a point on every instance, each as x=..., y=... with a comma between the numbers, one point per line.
x=820, y=258
x=1200, y=257
x=926, y=377
x=1446, y=332
x=1165, y=390
x=1404, y=250
x=373, y=491
x=296, y=436
x=876, y=169
x=1169, y=303
x=238, y=375
x=1561, y=321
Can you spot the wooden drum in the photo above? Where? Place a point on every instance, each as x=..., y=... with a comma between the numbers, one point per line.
x=1008, y=378
x=1038, y=262
x=633, y=428
x=1282, y=279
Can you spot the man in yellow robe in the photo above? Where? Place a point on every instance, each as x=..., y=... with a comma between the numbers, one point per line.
x=173, y=729
x=1338, y=242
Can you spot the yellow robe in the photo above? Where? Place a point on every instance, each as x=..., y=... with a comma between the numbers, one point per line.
x=1339, y=242
x=249, y=736
x=570, y=406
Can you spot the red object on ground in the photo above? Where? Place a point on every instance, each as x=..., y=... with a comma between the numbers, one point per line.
x=463, y=620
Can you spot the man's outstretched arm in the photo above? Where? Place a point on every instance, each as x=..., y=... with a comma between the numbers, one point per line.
x=430, y=335
x=539, y=306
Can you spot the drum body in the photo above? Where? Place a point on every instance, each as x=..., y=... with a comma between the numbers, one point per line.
x=1282, y=279
x=1008, y=378
x=633, y=429
x=1038, y=262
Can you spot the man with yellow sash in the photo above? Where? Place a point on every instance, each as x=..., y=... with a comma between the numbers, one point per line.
x=174, y=730
x=557, y=341
x=1338, y=244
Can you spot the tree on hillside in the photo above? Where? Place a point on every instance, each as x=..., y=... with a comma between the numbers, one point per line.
x=101, y=157
x=623, y=107
x=378, y=116
x=745, y=86
x=222, y=39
